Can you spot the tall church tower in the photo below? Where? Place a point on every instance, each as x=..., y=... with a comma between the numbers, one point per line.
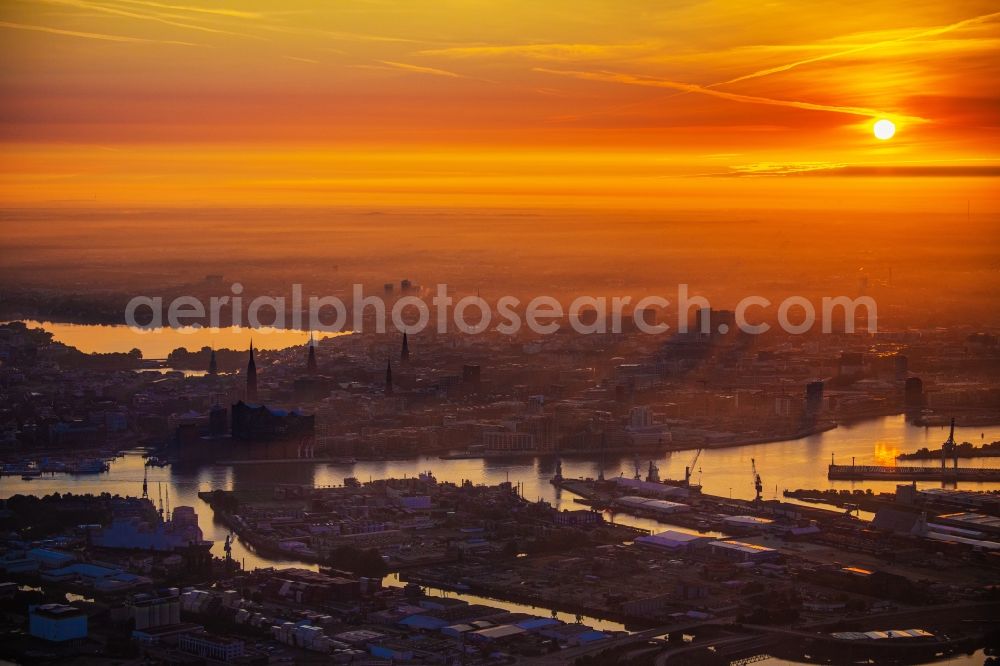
x=388, y=377
x=251, y=377
x=311, y=363
x=213, y=366
x=404, y=355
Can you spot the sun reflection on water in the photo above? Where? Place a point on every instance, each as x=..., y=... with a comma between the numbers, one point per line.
x=885, y=453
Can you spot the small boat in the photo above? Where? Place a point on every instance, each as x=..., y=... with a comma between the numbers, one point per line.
x=30, y=476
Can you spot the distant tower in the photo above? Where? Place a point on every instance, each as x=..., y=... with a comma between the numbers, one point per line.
x=251, y=377
x=404, y=355
x=388, y=377
x=311, y=363
x=213, y=366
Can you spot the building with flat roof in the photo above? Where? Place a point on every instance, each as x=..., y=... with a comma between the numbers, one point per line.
x=57, y=622
x=971, y=520
x=743, y=552
x=746, y=522
x=650, y=506
x=211, y=646
x=672, y=540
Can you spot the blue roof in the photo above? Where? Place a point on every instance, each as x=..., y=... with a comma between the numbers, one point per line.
x=422, y=621
x=46, y=555
x=537, y=623
x=88, y=570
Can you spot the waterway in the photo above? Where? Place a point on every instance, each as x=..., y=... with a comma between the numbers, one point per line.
x=977, y=658
x=794, y=464
x=159, y=342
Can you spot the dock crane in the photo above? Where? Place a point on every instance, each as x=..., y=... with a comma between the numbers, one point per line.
x=690, y=468
x=949, y=448
x=758, y=485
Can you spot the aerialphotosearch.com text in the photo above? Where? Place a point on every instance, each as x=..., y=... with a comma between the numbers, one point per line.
x=507, y=315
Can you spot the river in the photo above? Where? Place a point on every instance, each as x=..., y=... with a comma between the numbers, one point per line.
x=784, y=465
x=793, y=464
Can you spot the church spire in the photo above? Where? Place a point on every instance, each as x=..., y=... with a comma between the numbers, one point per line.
x=404, y=355
x=311, y=363
x=213, y=366
x=251, y=377
x=388, y=377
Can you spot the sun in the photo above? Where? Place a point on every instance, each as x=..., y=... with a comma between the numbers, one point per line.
x=884, y=129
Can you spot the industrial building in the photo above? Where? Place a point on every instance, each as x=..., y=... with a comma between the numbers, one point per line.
x=57, y=622
x=672, y=540
x=650, y=506
x=219, y=648
x=743, y=552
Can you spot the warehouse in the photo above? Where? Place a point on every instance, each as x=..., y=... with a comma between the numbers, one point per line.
x=650, y=506
x=743, y=552
x=746, y=522
x=671, y=540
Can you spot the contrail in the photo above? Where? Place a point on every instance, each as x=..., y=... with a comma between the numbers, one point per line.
x=90, y=35
x=630, y=79
x=931, y=32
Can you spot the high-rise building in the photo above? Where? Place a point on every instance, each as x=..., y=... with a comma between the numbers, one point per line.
x=814, y=396
x=914, y=392
x=388, y=377
x=213, y=366
x=404, y=355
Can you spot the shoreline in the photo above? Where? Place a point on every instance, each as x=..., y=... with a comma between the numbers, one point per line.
x=675, y=446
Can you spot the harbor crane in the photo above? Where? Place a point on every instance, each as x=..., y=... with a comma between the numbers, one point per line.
x=949, y=448
x=690, y=468
x=758, y=485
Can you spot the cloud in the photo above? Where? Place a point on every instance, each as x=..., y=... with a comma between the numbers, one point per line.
x=232, y=13
x=423, y=70
x=82, y=4
x=299, y=59
x=549, y=51
x=631, y=79
x=340, y=34
x=782, y=168
x=866, y=170
x=91, y=35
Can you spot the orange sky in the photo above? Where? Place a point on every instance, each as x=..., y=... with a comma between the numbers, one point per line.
x=476, y=102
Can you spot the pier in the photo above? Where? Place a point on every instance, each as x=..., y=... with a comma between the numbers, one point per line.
x=891, y=473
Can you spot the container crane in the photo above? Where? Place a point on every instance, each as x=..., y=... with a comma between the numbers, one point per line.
x=690, y=468
x=758, y=485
